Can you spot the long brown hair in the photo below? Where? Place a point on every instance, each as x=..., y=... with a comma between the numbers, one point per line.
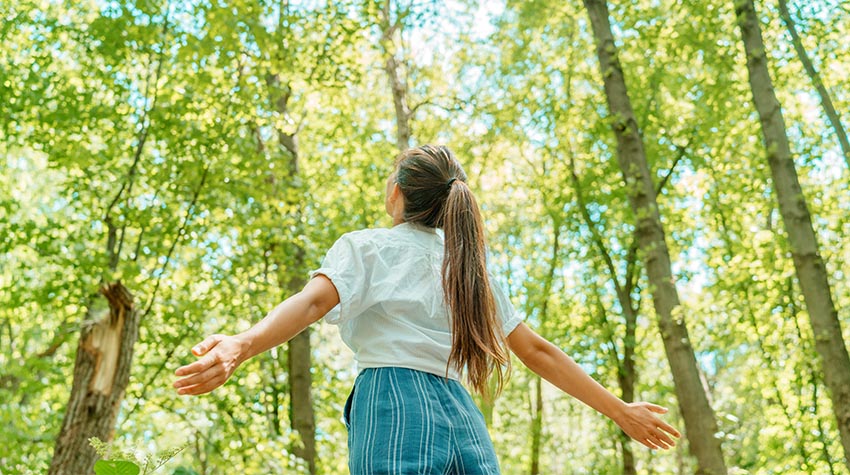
x=436, y=195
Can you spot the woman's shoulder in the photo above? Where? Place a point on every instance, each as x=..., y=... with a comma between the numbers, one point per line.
x=364, y=241
x=401, y=236
x=364, y=236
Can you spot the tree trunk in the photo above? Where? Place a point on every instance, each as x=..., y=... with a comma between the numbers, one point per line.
x=825, y=100
x=809, y=265
x=536, y=425
x=626, y=372
x=398, y=85
x=400, y=101
x=299, y=361
x=301, y=400
x=626, y=376
x=537, y=403
x=107, y=339
x=101, y=374
x=700, y=422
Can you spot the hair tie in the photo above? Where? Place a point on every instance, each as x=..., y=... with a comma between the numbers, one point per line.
x=449, y=183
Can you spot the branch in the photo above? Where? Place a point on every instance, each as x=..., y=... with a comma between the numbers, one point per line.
x=143, y=133
x=681, y=150
x=550, y=275
x=189, y=211
x=609, y=333
x=141, y=395
x=428, y=102
x=596, y=237
x=180, y=232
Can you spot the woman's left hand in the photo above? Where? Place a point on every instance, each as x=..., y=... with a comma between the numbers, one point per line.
x=639, y=421
x=220, y=355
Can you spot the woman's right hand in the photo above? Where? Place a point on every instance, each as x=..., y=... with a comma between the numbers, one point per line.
x=219, y=355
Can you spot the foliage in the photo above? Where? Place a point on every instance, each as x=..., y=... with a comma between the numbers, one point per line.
x=126, y=462
x=139, y=142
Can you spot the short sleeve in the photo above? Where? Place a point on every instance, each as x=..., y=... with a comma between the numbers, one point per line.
x=345, y=264
x=505, y=310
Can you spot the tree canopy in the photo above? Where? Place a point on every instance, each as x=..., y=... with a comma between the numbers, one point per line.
x=152, y=143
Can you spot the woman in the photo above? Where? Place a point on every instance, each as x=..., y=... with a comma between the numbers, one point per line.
x=417, y=308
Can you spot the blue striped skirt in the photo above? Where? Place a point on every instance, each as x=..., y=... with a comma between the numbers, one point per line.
x=403, y=421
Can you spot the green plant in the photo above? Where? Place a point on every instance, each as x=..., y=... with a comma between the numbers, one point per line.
x=126, y=462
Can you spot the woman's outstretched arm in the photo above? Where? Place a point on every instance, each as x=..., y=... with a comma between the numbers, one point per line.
x=220, y=355
x=547, y=360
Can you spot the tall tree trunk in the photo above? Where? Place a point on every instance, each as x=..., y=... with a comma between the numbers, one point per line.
x=101, y=374
x=301, y=411
x=400, y=101
x=299, y=361
x=700, y=421
x=809, y=265
x=301, y=399
x=398, y=85
x=825, y=99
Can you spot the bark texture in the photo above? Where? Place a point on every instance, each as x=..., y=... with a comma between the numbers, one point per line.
x=301, y=398
x=808, y=263
x=699, y=418
x=825, y=99
x=101, y=374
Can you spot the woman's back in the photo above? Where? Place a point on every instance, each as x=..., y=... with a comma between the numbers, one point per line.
x=392, y=311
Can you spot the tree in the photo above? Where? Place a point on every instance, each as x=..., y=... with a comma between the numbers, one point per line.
x=107, y=339
x=700, y=422
x=101, y=373
x=797, y=220
x=390, y=28
x=516, y=93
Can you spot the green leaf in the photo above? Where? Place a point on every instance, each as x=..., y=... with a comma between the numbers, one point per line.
x=184, y=471
x=115, y=467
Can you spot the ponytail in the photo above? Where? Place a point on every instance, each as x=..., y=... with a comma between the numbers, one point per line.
x=436, y=195
x=477, y=336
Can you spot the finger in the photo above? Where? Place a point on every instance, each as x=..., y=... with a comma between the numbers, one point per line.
x=660, y=442
x=656, y=408
x=669, y=429
x=203, y=388
x=209, y=343
x=198, y=378
x=196, y=367
x=649, y=444
x=664, y=438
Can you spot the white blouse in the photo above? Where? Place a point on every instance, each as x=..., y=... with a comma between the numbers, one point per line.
x=391, y=310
